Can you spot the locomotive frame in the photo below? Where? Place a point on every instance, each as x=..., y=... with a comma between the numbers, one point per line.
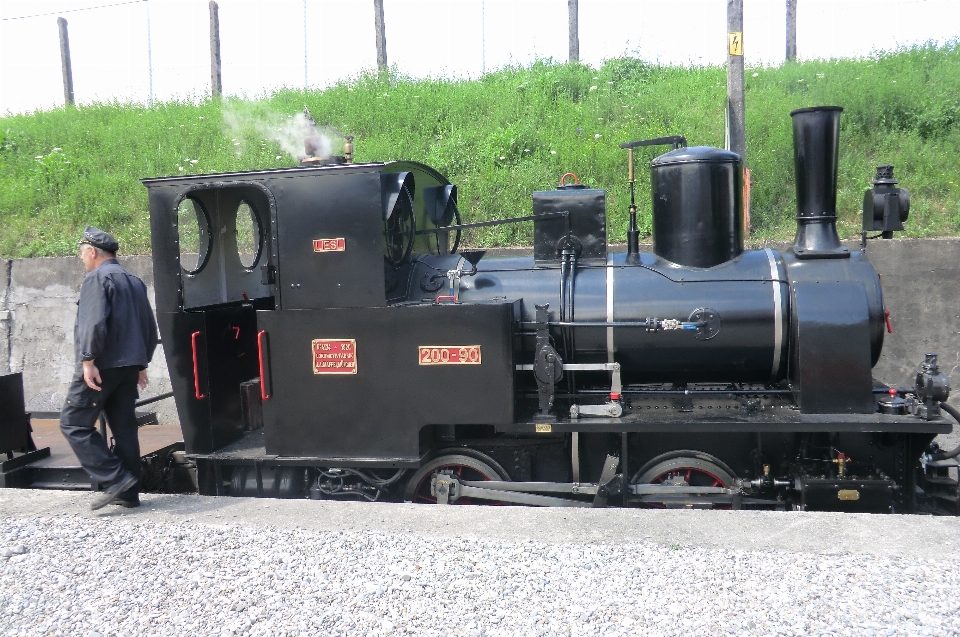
x=352, y=351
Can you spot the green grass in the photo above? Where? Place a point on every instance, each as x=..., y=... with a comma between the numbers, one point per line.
x=500, y=138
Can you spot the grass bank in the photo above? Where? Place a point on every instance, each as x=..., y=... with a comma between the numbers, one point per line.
x=499, y=138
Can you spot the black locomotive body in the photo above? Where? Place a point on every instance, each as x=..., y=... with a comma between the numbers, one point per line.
x=325, y=338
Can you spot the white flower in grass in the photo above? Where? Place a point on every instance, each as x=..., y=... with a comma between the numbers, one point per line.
x=610, y=83
x=593, y=88
x=553, y=152
x=503, y=158
x=180, y=168
x=597, y=136
x=201, y=117
x=39, y=157
x=756, y=75
x=56, y=150
x=194, y=161
x=279, y=157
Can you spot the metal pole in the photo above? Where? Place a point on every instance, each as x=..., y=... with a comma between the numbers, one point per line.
x=306, y=82
x=483, y=37
x=216, y=82
x=381, y=35
x=149, y=58
x=574, y=31
x=791, y=30
x=735, y=93
x=65, y=63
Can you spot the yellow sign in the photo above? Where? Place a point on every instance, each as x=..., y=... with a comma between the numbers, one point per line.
x=848, y=495
x=735, y=42
x=544, y=429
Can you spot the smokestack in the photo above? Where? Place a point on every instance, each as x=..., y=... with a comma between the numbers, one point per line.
x=816, y=135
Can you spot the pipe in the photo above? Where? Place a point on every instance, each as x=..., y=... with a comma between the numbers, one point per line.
x=953, y=453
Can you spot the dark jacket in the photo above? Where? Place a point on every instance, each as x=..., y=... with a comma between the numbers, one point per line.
x=115, y=325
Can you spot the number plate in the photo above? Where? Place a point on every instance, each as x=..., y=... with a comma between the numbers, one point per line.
x=329, y=245
x=449, y=355
x=334, y=356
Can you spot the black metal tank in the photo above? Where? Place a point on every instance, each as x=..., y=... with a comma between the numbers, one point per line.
x=749, y=296
x=697, y=206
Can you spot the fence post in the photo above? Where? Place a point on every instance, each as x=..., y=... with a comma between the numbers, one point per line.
x=306, y=77
x=149, y=58
x=735, y=94
x=381, y=35
x=216, y=82
x=791, y=30
x=573, y=11
x=65, y=63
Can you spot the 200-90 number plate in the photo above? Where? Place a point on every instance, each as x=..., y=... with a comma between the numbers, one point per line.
x=450, y=355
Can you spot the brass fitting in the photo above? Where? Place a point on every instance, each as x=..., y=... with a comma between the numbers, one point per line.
x=348, y=149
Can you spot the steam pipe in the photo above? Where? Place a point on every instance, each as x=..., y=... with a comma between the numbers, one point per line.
x=633, y=233
x=953, y=453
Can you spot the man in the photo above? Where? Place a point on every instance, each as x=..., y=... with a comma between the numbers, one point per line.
x=114, y=338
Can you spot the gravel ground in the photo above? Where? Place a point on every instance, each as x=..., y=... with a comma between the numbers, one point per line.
x=184, y=565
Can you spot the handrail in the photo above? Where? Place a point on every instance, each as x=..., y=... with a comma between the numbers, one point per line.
x=196, y=367
x=263, y=379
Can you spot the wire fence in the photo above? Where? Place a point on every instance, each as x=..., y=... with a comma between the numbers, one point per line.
x=146, y=50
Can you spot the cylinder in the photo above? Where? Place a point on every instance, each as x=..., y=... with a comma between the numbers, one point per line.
x=697, y=206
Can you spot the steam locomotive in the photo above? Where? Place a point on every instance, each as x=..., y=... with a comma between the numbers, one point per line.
x=326, y=337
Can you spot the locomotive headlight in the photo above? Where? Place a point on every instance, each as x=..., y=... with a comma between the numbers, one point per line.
x=885, y=207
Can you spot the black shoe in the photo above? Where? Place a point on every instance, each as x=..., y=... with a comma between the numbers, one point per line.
x=113, y=492
x=127, y=504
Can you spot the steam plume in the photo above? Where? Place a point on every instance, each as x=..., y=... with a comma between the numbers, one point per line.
x=243, y=119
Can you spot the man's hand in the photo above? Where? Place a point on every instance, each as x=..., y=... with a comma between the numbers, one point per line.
x=91, y=375
x=143, y=380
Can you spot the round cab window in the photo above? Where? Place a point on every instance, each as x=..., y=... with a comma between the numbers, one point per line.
x=248, y=235
x=193, y=233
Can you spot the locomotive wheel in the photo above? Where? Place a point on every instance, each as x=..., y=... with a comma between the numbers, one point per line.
x=696, y=468
x=466, y=464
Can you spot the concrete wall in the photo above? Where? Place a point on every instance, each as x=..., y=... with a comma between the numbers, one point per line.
x=921, y=285
x=39, y=303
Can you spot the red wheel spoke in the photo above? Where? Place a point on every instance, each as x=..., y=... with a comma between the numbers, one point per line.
x=464, y=472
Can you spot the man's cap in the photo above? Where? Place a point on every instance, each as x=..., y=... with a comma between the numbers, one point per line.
x=99, y=239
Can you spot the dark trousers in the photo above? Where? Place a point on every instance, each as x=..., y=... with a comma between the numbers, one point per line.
x=78, y=422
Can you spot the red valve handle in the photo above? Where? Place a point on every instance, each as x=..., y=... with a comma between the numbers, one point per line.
x=196, y=367
x=445, y=296
x=575, y=180
x=886, y=318
x=263, y=379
